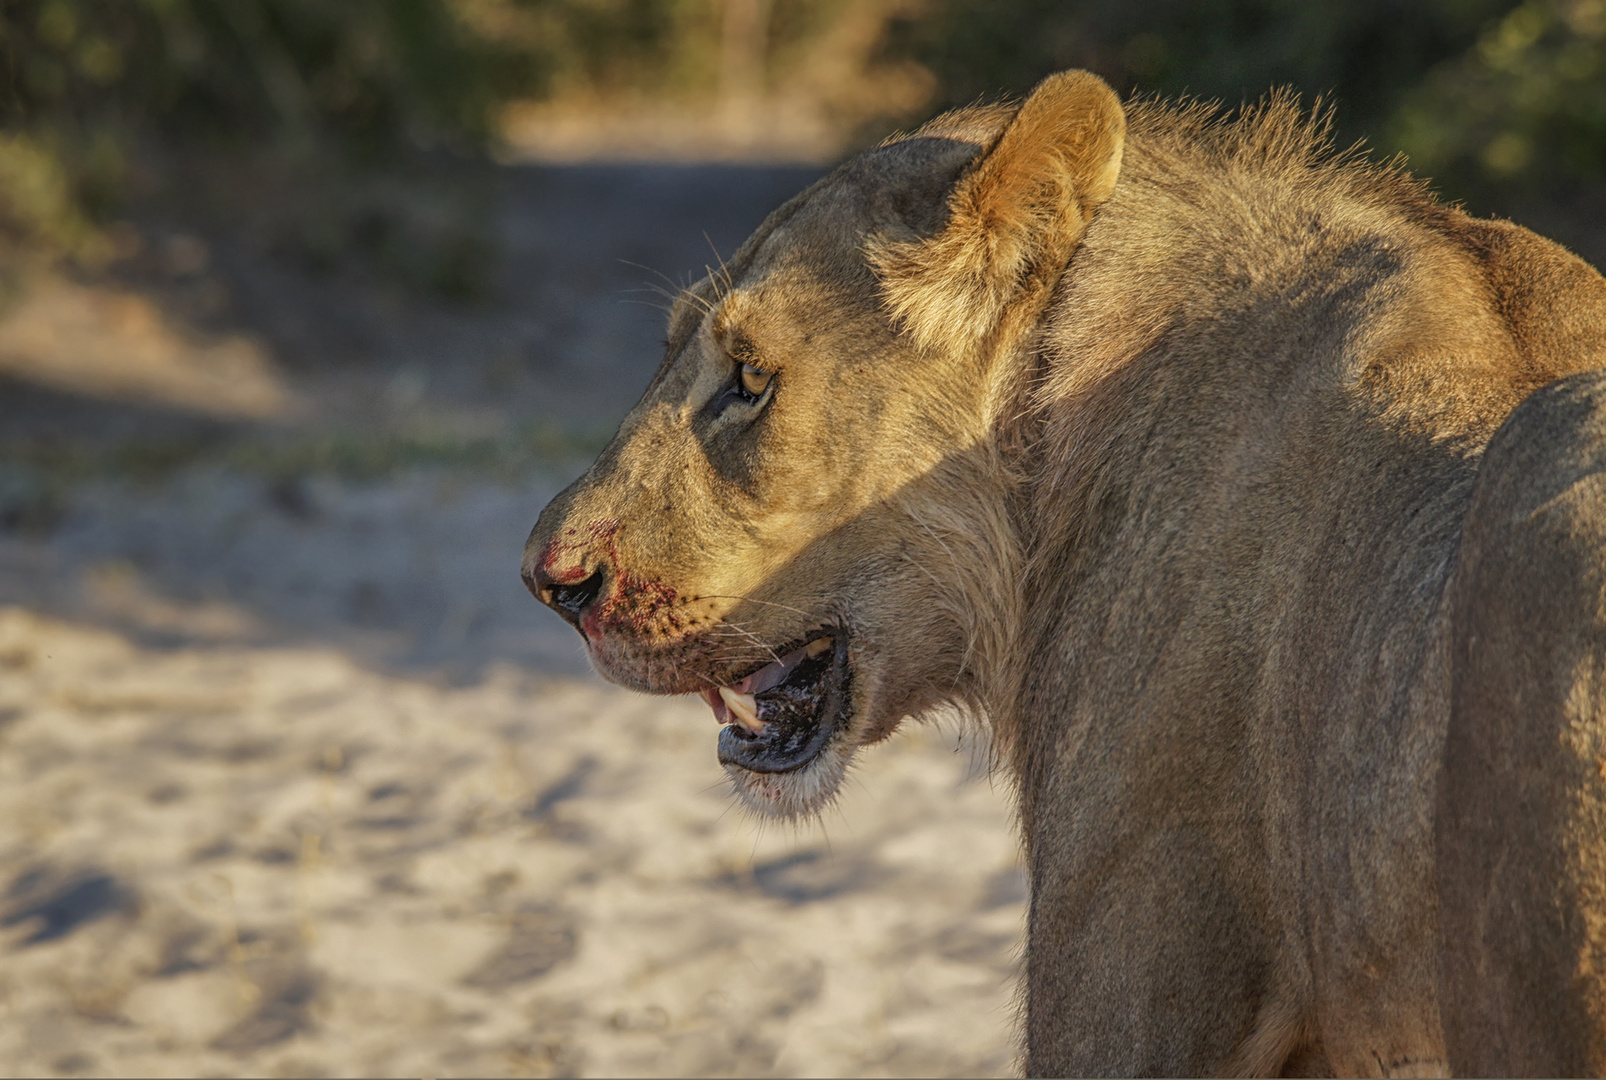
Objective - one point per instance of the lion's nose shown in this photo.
(569, 599)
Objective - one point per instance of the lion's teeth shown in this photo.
(817, 646)
(743, 707)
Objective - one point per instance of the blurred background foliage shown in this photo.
(1492, 99)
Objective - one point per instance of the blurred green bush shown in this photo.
(85, 80)
(1524, 107)
(363, 70)
(1485, 96)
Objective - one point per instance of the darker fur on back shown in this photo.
(1160, 438)
(1249, 430)
(1260, 399)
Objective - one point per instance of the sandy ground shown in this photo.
(297, 780)
(259, 852)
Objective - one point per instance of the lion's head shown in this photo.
(806, 519)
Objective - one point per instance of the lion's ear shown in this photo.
(1014, 217)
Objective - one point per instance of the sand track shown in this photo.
(252, 827)
(296, 779)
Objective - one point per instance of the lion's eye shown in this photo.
(755, 380)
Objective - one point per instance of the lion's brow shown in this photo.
(742, 348)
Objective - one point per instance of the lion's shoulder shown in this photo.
(1552, 302)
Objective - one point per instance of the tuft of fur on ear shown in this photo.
(1014, 217)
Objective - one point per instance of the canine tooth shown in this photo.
(743, 707)
(818, 646)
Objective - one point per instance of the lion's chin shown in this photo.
(801, 793)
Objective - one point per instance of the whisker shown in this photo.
(723, 269)
(700, 301)
(720, 292)
(665, 308)
(766, 603)
(652, 270)
(760, 643)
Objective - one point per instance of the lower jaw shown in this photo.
(740, 751)
(799, 793)
(801, 725)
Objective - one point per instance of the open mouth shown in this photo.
(783, 715)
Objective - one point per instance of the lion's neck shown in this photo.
(1216, 325)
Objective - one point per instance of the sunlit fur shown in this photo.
(1150, 437)
(1013, 219)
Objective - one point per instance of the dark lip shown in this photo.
(801, 716)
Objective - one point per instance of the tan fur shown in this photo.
(1171, 447)
(1012, 221)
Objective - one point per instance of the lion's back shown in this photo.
(1259, 467)
(1521, 824)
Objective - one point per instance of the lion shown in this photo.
(1251, 498)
